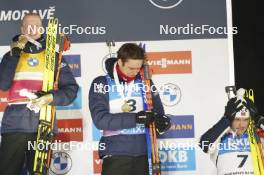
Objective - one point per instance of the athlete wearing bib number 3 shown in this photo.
(227, 141)
(116, 102)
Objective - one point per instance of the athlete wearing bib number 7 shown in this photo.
(117, 107)
(227, 141)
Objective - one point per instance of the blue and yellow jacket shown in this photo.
(26, 71)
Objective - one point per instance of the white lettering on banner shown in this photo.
(5, 16)
(51, 12)
(15, 15)
(67, 130)
(42, 14)
(164, 62)
(173, 156)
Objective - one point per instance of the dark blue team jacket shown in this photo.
(130, 145)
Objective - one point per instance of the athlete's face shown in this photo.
(31, 26)
(240, 125)
(131, 67)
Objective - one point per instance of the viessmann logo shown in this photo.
(177, 62)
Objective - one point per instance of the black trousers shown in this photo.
(14, 151)
(125, 165)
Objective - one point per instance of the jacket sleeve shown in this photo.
(67, 87)
(7, 70)
(214, 134)
(99, 108)
(157, 104)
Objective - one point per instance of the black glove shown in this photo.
(19, 45)
(232, 108)
(162, 123)
(145, 117)
(253, 111)
(40, 93)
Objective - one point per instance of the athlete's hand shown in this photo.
(43, 100)
(162, 123)
(232, 108)
(145, 117)
(19, 45)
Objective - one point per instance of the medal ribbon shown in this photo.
(122, 93)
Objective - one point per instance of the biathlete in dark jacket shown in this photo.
(22, 70)
(117, 107)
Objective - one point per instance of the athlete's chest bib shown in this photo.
(234, 156)
(29, 75)
(116, 102)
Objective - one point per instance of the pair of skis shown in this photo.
(47, 113)
(255, 143)
(151, 137)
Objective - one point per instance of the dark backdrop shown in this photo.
(249, 47)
